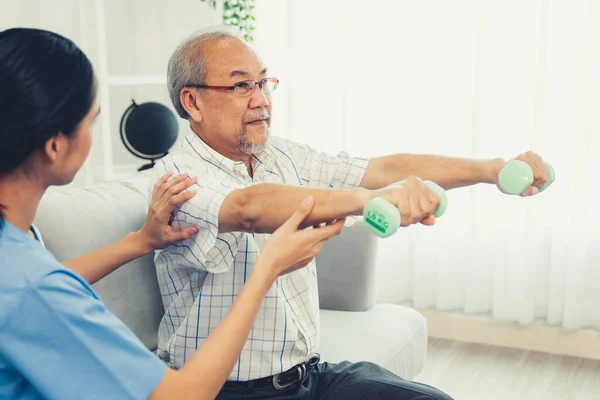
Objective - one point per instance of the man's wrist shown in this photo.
(360, 198)
(490, 170)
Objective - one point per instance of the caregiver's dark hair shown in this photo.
(47, 87)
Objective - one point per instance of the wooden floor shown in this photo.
(471, 371)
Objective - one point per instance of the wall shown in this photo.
(129, 43)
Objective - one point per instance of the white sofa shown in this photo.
(74, 221)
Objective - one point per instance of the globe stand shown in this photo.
(150, 165)
(148, 131)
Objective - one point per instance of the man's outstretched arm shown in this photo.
(448, 172)
(264, 207)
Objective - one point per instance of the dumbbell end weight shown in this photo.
(383, 219)
(516, 176)
(441, 195)
(551, 177)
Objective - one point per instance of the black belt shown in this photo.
(278, 381)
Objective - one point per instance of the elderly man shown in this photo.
(248, 184)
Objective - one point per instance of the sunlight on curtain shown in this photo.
(465, 78)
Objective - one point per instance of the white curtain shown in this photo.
(469, 78)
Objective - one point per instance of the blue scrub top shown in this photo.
(57, 339)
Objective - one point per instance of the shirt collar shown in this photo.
(197, 147)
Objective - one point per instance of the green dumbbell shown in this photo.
(516, 176)
(383, 219)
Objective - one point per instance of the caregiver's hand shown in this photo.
(169, 192)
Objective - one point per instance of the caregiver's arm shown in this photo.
(155, 234)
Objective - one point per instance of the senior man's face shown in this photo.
(238, 119)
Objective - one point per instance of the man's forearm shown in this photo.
(448, 172)
(265, 207)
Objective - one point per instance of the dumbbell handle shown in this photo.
(516, 176)
(383, 219)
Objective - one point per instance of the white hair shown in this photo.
(187, 65)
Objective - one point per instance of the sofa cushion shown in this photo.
(74, 222)
(392, 336)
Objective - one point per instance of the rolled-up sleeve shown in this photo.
(208, 250)
(323, 170)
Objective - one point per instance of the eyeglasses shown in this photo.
(245, 88)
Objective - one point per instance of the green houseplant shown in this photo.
(238, 14)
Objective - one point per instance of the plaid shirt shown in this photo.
(200, 278)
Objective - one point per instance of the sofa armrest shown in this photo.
(346, 270)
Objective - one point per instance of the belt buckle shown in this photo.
(278, 386)
(314, 359)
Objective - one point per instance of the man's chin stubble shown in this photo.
(252, 148)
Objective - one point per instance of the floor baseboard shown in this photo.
(542, 338)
